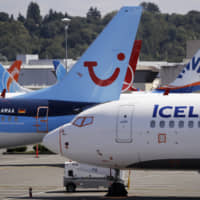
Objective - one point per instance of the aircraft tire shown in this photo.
(117, 189)
(71, 187)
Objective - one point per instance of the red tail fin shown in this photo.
(129, 78)
(15, 69)
(3, 94)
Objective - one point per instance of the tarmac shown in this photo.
(45, 176)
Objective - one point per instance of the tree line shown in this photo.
(164, 35)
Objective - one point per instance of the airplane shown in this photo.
(27, 118)
(146, 131)
(140, 130)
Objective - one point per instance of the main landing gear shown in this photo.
(117, 188)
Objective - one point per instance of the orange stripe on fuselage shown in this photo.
(178, 87)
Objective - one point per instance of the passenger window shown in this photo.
(83, 121)
(181, 124)
(152, 124)
(171, 124)
(162, 124)
(190, 124)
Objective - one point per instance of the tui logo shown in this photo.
(101, 82)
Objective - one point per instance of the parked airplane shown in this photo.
(26, 119)
(141, 130)
(146, 131)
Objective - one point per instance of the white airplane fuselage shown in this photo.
(138, 131)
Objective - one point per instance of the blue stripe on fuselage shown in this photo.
(28, 116)
(29, 107)
(13, 124)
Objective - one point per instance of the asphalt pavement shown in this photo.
(45, 176)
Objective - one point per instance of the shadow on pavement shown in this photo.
(70, 196)
(33, 165)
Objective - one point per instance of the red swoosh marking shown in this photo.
(97, 80)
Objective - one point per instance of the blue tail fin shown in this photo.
(98, 75)
(8, 82)
(188, 80)
(60, 70)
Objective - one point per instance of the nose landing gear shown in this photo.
(117, 188)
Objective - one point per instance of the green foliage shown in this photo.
(41, 149)
(4, 17)
(21, 18)
(33, 13)
(17, 149)
(150, 7)
(164, 36)
(93, 14)
(14, 39)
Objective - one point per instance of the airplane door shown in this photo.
(124, 124)
(42, 119)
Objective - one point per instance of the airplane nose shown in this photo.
(51, 141)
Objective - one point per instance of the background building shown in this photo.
(36, 73)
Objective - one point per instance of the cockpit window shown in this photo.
(88, 120)
(83, 121)
(78, 122)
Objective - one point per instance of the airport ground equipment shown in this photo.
(77, 175)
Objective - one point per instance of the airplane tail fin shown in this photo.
(3, 93)
(98, 75)
(8, 82)
(188, 80)
(14, 69)
(130, 74)
(60, 70)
